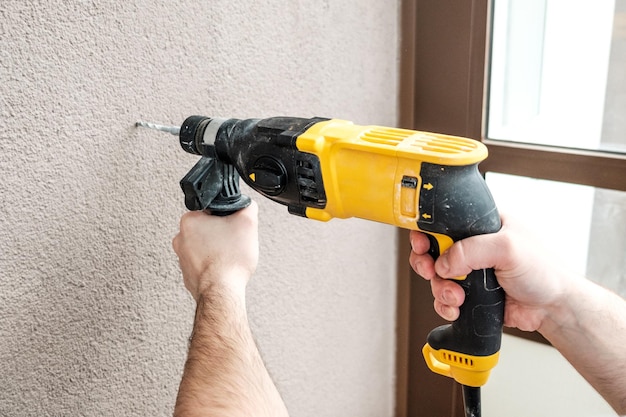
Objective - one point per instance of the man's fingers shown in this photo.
(447, 292)
(421, 262)
(473, 253)
(448, 297)
(423, 265)
(446, 312)
(419, 242)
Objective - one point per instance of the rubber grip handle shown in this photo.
(456, 205)
(468, 349)
(478, 330)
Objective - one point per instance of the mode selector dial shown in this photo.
(269, 175)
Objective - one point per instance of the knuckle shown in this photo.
(187, 221)
(457, 251)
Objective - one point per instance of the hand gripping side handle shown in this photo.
(213, 186)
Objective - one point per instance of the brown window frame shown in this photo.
(443, 86)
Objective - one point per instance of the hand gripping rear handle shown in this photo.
(468, 349)
(458, 205)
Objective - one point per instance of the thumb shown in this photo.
(476, 252)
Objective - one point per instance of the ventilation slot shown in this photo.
(386, 136)
(445, 145)
(306, 182)
(459, 359)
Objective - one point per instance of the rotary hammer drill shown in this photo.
(325, 168)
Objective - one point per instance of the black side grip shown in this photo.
(213, 186)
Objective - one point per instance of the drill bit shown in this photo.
(174, 130)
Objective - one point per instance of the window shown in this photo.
(557, 91)
(557, 80)
(556, 74)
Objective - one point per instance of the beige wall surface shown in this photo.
(94, 318)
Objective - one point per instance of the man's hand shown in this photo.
(532, 284)
(224, 374)
(218, 250)
(584, 321)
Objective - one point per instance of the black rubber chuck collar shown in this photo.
(192, 133)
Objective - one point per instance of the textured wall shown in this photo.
(93, 314)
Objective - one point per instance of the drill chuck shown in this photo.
(198, 134)
(192, 134)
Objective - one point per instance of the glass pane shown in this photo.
(557, 73)
(584, 226)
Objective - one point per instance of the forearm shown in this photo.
(224, 374)
(589, 329)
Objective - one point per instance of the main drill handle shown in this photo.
(456, 205)
(468, 349)
(481, 315)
